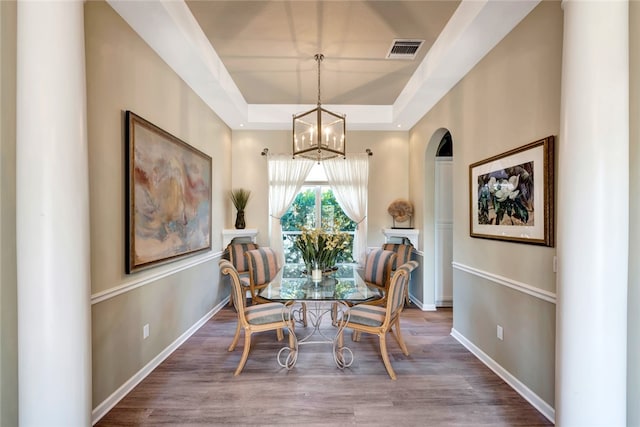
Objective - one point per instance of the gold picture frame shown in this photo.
(512, 195)
(168, 186)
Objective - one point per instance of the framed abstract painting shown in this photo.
(168, 186)
(512, 194)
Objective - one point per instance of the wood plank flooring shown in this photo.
(439, 384)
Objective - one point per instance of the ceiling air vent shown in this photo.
(404, 49)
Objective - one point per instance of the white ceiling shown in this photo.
(252, 61)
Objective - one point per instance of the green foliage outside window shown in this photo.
(302, 213)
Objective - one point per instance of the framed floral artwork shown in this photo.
(512, 194)
(168, 210)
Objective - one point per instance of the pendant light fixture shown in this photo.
(319, 134)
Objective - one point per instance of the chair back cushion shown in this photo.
(377, 267)
(399, 282)
(263, 265)
(403, 253)
(236, 255)
(397, 289)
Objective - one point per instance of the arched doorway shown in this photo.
(443, 219)
(434, 219)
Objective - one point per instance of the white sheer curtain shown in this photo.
(286, 176)
(349, 180)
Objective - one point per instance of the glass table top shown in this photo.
(345, 284)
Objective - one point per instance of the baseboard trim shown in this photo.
(445, 303)
(420, 305)
(510, 283)
(524, 391)
(111, 401)
(159, 274)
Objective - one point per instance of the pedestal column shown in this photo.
(593, 216)
(54, 346)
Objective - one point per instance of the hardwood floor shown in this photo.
(439, 384)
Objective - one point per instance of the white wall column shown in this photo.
(593, 219)
(54, 346)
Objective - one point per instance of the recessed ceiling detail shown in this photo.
(206, 44)
(404, 49)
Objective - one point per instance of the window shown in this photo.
(315, 206)
(445, 149)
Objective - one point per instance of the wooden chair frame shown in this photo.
(286, 321)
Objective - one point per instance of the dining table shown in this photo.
(310, 301)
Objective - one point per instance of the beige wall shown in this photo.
(388, 174)
(123, 73)
(633, 323)
(8, 278)
(511, 98)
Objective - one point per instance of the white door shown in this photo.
(444, 232)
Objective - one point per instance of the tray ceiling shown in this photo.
(252, 61)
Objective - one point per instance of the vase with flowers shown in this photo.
(319, 249)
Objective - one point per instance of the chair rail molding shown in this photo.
(163, 271)
(510, 283)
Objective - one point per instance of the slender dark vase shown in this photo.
(240, 220)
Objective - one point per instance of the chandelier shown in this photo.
(319, 134)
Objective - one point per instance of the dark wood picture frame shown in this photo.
(168, 192)
(512, 195)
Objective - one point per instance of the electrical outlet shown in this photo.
(145, 331)
(499, 332)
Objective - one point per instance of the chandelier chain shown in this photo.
(319, 57)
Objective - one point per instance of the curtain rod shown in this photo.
(265, 151)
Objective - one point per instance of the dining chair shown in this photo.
(378, 320)
(255, 318)
(377, 273)
(263, 268)
(235, 251)
(403, 255)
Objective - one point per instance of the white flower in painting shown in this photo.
(492, 185)
(506, 189)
